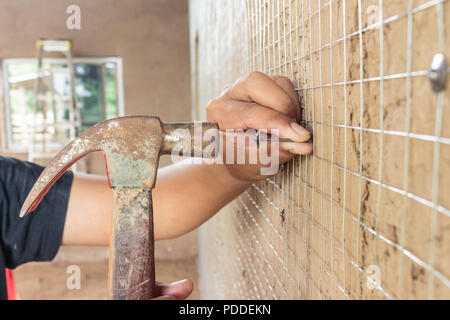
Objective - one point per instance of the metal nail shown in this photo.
(283, 215)
(438, 72)
(259, 137)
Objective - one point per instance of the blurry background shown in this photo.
(131, 57)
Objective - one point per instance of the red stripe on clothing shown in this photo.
(10, 287)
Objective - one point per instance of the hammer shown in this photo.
(132, 146)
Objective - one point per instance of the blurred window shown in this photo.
(98, 87)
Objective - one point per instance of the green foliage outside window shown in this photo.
(96, 90)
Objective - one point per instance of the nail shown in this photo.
(283, 215)
(300, 131)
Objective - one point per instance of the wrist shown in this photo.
(230, 175)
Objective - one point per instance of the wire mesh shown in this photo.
(367, 216)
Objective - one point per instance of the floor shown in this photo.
(47, 281)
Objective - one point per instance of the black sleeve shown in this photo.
(36, 237)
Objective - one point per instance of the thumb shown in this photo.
(178, 290)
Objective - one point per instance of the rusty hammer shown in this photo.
(132, 146)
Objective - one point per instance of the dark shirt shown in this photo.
(38, 236)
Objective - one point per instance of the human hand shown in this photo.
(179, 290)
(260, 102)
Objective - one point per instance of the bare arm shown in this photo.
(179, 202)
(187, 194)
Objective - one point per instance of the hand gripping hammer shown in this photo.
(132, 146)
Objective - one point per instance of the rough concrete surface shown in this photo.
(374, 195)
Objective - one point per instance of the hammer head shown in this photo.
(132, 146)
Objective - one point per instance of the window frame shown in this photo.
(9, 145)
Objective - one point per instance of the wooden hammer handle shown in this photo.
(131, 250)
(200, 138)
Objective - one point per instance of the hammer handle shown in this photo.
(201, 138)
(131, 251)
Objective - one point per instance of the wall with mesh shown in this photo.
(367, 216)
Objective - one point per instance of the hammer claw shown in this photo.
(63, 161)
(115, 138)
(132, 146)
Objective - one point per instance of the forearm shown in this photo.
(185, 196)
(89, 212)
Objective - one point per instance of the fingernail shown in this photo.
(299, 148)
(165, 297)
(178, 282)
(300, 131)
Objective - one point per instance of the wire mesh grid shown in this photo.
(368, 214)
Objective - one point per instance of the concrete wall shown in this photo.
(373, 197)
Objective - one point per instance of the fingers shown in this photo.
(243, 115)
(298, 148)
(260, 88)
(164, 298)
(260, 102)
(289, 88)
(177, 290)
(276, 123)
(288, 150)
